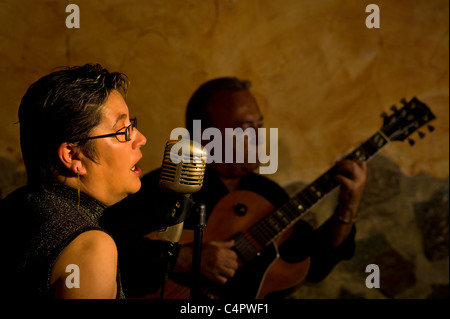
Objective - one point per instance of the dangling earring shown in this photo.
(78, 180)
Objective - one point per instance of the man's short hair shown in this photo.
(199, 101)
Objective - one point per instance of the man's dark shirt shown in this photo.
(141, 261)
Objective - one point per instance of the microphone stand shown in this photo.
(180, 209)
(168, 261)
(197, 252)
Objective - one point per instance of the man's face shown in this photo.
(235, 109)
(116, 174)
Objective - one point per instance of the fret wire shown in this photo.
(282, 221)
(319, 186)
(267, 228)
(289, 210)
(363, 154)
(306, 201)
(240, 242)
(329, 179)
(259, 237)
(309, 198)
(292, 207)
(273, 224)
(257, 232)
(252, 241)
(376, 145)
(279, 217)
(370, 144)
(276, 227)
(239, 246)
(245, 254)
(370, 147)
(316, 190)
(378, 140)
(326, 183)
(263, 229)
(366, 149)
(268, 222)
(244, 249)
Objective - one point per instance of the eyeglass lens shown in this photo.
(129, 129)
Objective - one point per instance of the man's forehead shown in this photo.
(238, 101)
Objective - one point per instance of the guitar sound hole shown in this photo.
(240, 209)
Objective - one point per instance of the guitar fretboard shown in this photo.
(264, 232)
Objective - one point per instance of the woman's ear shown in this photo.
(69, 154)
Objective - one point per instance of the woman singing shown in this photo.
(81, 150)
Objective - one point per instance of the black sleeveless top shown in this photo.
(37, 226)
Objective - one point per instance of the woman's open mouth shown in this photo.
(136, 169)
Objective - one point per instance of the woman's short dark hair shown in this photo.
(199, 101)
(63, 106)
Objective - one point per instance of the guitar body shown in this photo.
(266, 272)
(257, 278)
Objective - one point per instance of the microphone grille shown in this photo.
(186, 175)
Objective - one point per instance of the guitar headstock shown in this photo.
(405, 121)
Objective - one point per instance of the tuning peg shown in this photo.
(430, 128)
(403, 101)
(411, 142)
(383, 115)
(421, 134)
(394, 108)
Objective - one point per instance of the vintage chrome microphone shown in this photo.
(182, 172)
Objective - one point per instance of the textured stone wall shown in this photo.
(320, 76)
(402, 228)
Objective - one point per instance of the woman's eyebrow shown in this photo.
(120, 117)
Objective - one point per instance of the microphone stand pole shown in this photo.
(197, 252)
(168, 260)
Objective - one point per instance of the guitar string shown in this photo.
(262, 227)
(244, 248)
(291, 210)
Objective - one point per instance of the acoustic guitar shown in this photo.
(262, 228)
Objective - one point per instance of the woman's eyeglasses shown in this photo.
(123, 135)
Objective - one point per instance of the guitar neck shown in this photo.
(271, 226)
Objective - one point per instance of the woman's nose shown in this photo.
(140, 139)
